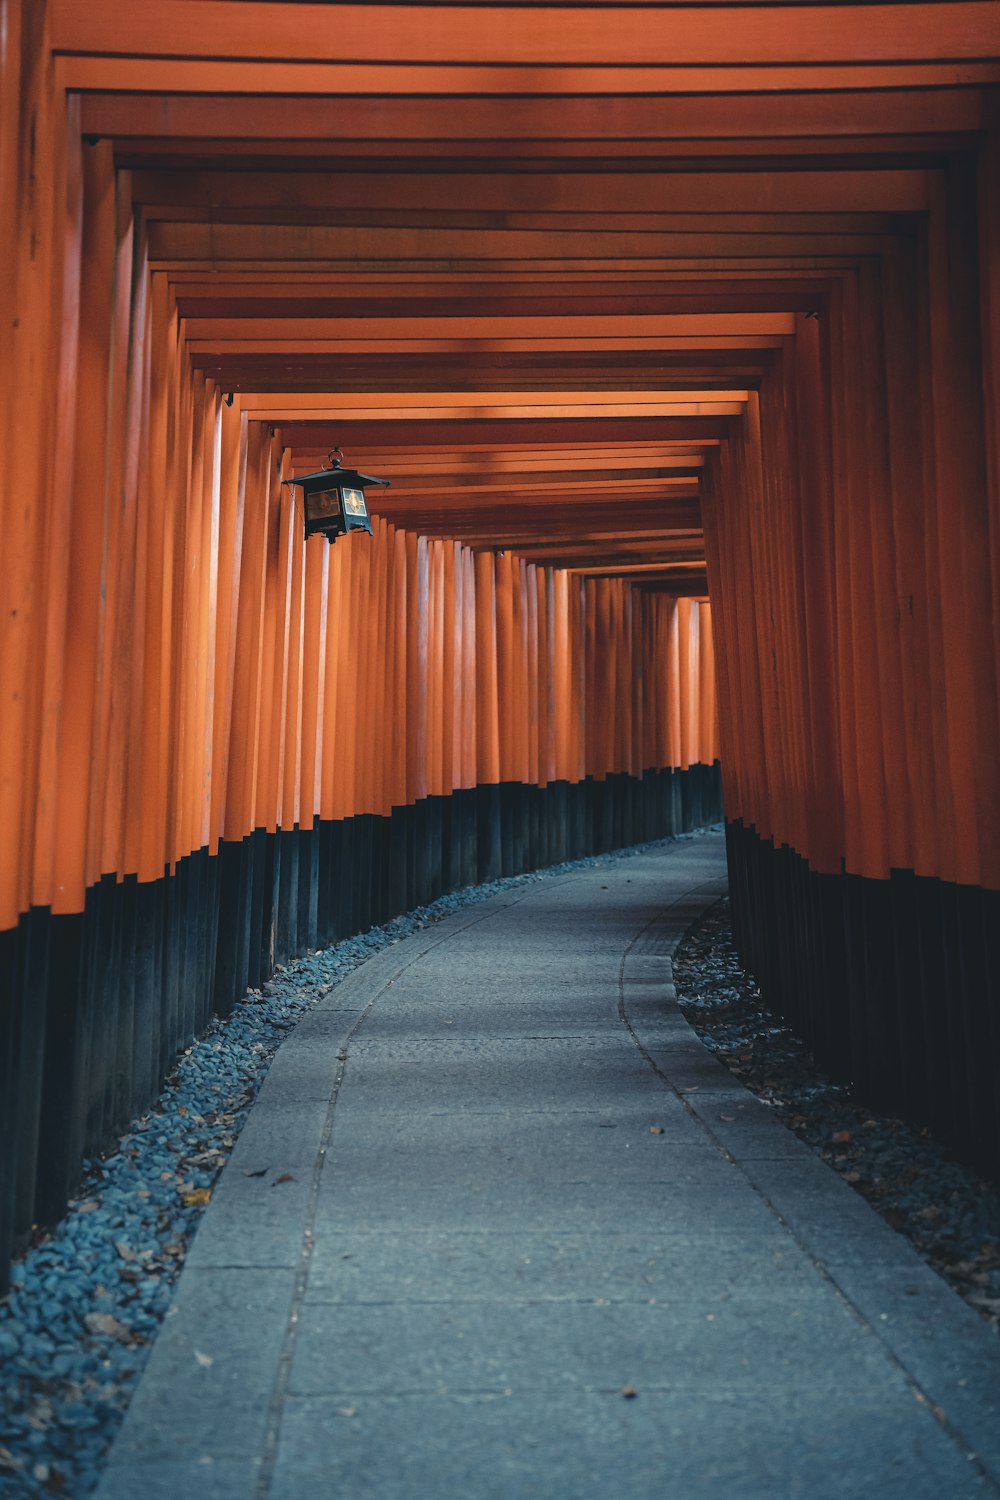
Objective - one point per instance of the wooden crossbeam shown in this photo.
(605, 37)
(766, 123)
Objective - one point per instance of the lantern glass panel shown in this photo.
(321, 504)
(354, 503)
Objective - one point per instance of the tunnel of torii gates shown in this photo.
(636, 307)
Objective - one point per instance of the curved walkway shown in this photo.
(493, 1186)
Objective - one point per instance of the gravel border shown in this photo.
(87, 1299)
(947, 1211)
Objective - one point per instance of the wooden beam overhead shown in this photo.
(291, 122)
(533, 37)
(499, 248)
(355, 435)
(532, 263)
(600, 196)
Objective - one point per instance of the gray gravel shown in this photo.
(87, 1299)
(949, 1213)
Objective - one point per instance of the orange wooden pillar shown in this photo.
(488, 727)
(42, 241)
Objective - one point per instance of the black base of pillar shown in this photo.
(894, 984)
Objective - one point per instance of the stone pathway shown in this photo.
(494, 1186)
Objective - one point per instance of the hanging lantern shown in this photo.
(335, 499)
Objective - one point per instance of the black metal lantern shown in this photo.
(335, 499)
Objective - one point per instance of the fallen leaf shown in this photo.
(260, 1172)
(727, 1117)
(841, 1138)
(285, 1177)
(89, 1206)
(40, 1416)
(196, 1199)
(692, 1090)
(205, 1360)
(346, 1411)
(125, 1251)
(108, 1324)
(656, 1129)
(182, 1110)
(629, 1392)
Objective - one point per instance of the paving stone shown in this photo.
(939, 1340)
(660, 1142)
(575, 1016)
(181, 1479)
(256, 1221)
(667, 1206)
(746, 1128)
(663, 1445)
(739, 1344)
(819, 1207)
(360, 1266)
(207, 1387)
(454, 1075)
(304, 1071)
(280, 1133)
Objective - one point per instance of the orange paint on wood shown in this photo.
(244, 747)
(73, 871)
(487, 679)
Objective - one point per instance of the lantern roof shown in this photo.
(336, 475)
